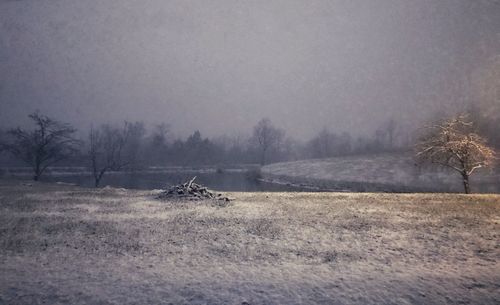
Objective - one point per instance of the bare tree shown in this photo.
(390, 127)
(133, 150)
(157, 144)
(50, 142)
(385, 136)
(321, 146)
(267, 137)
(106, 146)
(159, 134)
(327, 144)
(453, 144)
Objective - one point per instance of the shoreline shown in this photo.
(380, 173)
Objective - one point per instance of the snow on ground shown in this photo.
(382, 172)
(68, 245)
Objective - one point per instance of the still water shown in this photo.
(241, 180)
(224, 181)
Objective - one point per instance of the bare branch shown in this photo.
(453, 144)
(50, 142)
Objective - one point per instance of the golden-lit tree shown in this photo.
(454, 144)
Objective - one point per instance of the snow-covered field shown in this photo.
(67, 245)
(383, 172)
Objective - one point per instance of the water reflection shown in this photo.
(222, 181)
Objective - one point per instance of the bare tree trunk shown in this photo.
(96, 182)
(36, 177)
(98, 177)
(466, 183)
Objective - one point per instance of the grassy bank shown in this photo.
(64, 244)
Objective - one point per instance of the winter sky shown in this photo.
(220, 66)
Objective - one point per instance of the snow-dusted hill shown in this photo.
(382, 172)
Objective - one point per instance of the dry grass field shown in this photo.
(69, 245)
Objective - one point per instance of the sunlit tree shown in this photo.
(454, 144)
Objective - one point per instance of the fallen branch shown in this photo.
(191, 191)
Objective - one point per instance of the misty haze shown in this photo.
(249, 152)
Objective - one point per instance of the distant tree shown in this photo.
(177, 152)
(290, 149)
(134, 146)
(322, 145)
(194, 148)
(158, 144)
(453, 144)
(344, 144)
(199, 150)
(327, 144)
(106, 146)
(385, 136)
(267, 137)
(232, 149)
(379, 144)
(368, 145)
(159, 134)
(390, 128)
(50, 142)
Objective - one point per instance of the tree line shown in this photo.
(454, 143)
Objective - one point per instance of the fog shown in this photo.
(220, 66)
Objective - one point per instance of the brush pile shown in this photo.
(191, 191)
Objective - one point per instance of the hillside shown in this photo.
(382, 172)
(69, 245)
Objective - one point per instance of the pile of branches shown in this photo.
(191, 191)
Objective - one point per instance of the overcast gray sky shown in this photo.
(220, 66)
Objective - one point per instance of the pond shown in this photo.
(236, 181)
